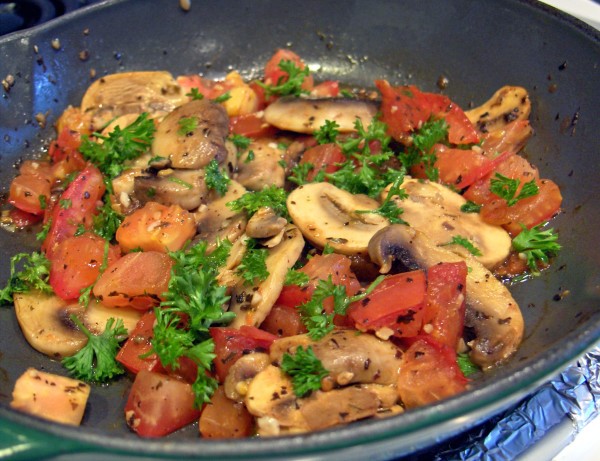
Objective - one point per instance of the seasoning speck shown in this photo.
(55, 44)
(8, 82)
(84, 55)
(185, 4)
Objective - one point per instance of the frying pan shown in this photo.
(477, 45)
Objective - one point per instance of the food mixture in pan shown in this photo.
(274, 256)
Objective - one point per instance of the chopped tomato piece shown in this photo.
(77, 206)
(20, 218)
(76, 262)
(276, 76)
(405, 109)
(323, 157)
(223, 418)
(321, 267)
(326, 89)
(159, 404)
(283, 321)
(251, 126)
(137, 279)
(444, 313)
(462, 167)
(231, 344)
(395, 304)
(428, 373)
(30, 192)
(156, 227)
(133, 354)
(208, 88)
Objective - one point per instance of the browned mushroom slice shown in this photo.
(328, 215)
(260, 166)
(508, 104)
(242, 372)
(47, 327)
(435, 210)
(306, 115)
(265, 223)
(253, 303)
(491, 310)
(349, 357)
(185, 188)
(192, 135)
(131, 92)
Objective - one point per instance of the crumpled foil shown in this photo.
(574, 393)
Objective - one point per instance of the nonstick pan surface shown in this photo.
(477, 45)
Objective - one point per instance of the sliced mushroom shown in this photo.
(216, 221)
(507, 104)
(328, 215)
(263, 167)
(265, 223)
(349, 357)
(306, 115)
(185, 188)
(435, 210)
(192, 135)
(47, 327)
(252, 304)
(242, 372)
(131, 92)
(271, 399)
(491, 310)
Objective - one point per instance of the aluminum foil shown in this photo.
(574, 393)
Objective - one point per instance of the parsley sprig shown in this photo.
(253, 266)
(216, 178)
(193, 303)
(120, 145)
(271, 196)
(95, 362)
(33, 275)
(305, 369)
(290, 84)
(536, 245)
(423, 140)
(317, 321)
(506, 188)
(465, 243)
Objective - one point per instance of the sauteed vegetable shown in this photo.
(275, 256)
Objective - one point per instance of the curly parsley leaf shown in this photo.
(241, 142)
(120, 145)
(305, 369)
(195, 94)
(187, 125)
(253, 266)
(464, 242)
(222, 97)
(96, 362)
(107, 221)
(431, 133)
(536, 245)
(327, 133)
(294, 277)
(506, 188)
(291, 84)
(467, 367)
(470, 207)
(271, 196)
(216, 178)
(389, 209)
(33, 275)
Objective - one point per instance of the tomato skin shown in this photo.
(321, 267)
(445, 302)
(83, 195)
(29, 191)
(137, 280)
(251, 126)
(156, 227)
(159, 404)
(231, 344)
(323, 157)
(138, 344)
(405, 108)
(396, 303)
(326, 89)
(283, 321)
(22, 219)
(223, 418)
(428, 373)
(208, 88)
(76, 263)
